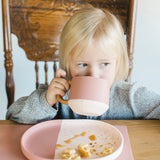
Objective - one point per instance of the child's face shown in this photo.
(94, 63)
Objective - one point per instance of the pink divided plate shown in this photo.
(47, 140)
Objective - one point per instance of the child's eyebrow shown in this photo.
(79, 60)
(109, 59)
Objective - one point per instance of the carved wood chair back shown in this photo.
(38, 25)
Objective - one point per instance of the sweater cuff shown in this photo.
(45, 104)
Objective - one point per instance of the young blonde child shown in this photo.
(92, 44)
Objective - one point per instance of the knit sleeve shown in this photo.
(32, 109)
(145, 103)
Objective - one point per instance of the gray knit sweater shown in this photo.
(127, 101)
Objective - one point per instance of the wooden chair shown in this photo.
(38, 25)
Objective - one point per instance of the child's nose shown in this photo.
(93, 72)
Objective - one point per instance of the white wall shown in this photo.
(146, 56)
(147, 44)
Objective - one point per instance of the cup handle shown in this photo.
(60, 99)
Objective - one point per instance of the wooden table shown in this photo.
(144, 137)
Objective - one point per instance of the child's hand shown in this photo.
(58, 86)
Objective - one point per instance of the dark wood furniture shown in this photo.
(38, 25)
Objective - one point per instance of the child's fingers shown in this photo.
(60, 92)
(60, 83)
(51, 96)
(57, 84)
(60, 73)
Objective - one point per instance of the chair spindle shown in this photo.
(37, 77)
(54, 68)
(46, 72)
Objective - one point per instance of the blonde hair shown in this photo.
(98, 25)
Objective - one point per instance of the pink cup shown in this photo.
(88, 96)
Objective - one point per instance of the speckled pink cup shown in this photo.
(88, 96)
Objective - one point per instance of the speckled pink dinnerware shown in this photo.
(89, 96)
(47, 140)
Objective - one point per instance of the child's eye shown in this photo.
(82, 64)
(105, 64)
